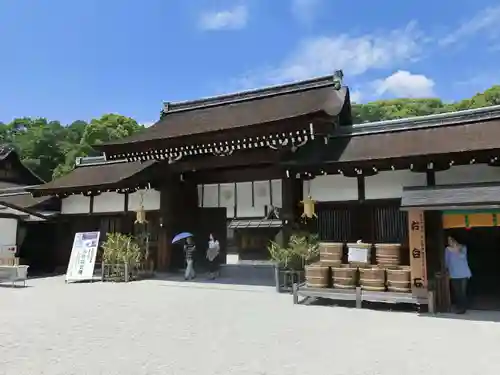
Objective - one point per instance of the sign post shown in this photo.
(418, 256)
(83, 255)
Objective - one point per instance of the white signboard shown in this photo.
(8, 251)
(83, 254)
(357, 254)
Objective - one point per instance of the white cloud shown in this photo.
(486, 22)
(356, 96)
(229, 19)
(147, 124)
(354, 54)
(305, 10)
(405, 84)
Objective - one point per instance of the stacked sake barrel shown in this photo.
(399, 279)
(388, 254)
(372, 278)
(330, 253)
(317, 275)
(344, 276)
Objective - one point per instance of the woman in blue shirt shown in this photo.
(458, 271)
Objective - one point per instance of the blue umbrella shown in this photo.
(181, 236)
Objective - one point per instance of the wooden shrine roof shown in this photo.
(102, 176)
(452, 196)
(362, 144)
(17, 195)
(25, 175)
(244, 109)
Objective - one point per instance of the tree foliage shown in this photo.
(49, 148)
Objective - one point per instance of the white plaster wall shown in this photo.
(244, 206)
(151, 200)
(75, 204)
(211, 195)
(8, 236)
(109, 202)
(462, 174)
(240, 194)
(390, 184)
(227, 198)
(331, 188)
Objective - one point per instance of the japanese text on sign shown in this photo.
(418, 261)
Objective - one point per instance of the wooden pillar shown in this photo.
(291, 195)
(435, 242)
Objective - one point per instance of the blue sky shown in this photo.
(69, 60)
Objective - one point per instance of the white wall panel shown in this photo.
(385, 185)
(332, 188)
(75, 204)
(8, 233)
(211, 195)
(276, 186)
(109, 202)
(229, 195)
(150, 200)
(262, 193)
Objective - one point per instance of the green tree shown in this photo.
(107, 128)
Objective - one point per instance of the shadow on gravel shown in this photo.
(472, 315)
(15, 286)
(203, 282)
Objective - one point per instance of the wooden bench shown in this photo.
(11, 271)
(358, 295)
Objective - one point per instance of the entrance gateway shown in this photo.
(263, 151)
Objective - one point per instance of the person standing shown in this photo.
(213, 256)
(458, 271)
(189, 250)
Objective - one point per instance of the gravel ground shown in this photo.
(165, 327)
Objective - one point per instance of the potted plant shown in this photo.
(290, 260)
(121, 255)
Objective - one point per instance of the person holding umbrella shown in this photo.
(189, 250)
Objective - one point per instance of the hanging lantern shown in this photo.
(140, 217)
(309, 209)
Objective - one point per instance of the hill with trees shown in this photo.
(49, 148)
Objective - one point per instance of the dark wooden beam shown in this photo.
(91, 204)
(361, 188)
(125, 202)
(430, 176)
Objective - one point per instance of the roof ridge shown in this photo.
(248, 95)
(456, 118)
(97, 163)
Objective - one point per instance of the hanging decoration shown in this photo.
(309, 205)
(309, 208)
(141, 213)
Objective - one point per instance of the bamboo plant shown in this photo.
(302, 249)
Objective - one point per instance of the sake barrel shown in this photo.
(317, 275)
(359, 254)
(344, 276)
(388, 254)
(372, 279)
(399, 279)
(330, 253)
